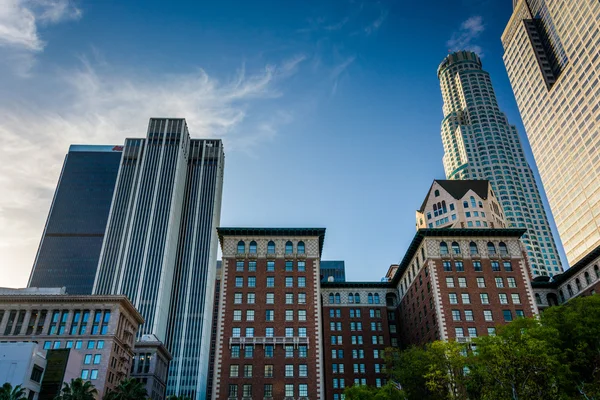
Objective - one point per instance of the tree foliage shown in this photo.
(387, 392)
(556, 356)
(8, 392)
(128, 389)
(78, 389)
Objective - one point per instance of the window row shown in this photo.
(290, 371)
(250, 266)
(251, 281)
(354, 298)
(473, 249)
(357, 368)
(289, 315)
(61, 322)
(269, 332)
(238, 298)
(460, 267)
(289, 247)
(77, 344)
(291, 390)
(269, 351)
(87, 374)
(511, 282)
(488, 316)
(484, 297)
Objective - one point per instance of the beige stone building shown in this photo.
(551, 53)
(100, 329)
(460, 204)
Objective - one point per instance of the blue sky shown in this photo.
(330, 110)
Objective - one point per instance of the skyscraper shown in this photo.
(160, 247)
(72, 239)
(479, 143)
(551, 53)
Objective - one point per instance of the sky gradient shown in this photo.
(330, 111)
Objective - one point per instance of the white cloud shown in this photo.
(375, 25)
(99, 104)
(464, 38)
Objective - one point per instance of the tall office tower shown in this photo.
(551, 53)
(479, 143)
(269, 343)
(72, 239)
(161, 245)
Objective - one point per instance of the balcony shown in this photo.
(463, 339)
(282, 340)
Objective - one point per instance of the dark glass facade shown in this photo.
(70, 246)
(335, 269)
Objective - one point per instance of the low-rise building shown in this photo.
(150, 365)
(22, 364)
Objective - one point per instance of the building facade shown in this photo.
(269, 321)
(100, 329)
(150, 365)
(551, 56)
(70, 247)
(22, 364)
(160, 246)
(479, 143)
(460, 204)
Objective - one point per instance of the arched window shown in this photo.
(444, 209)
(588, 280)
(561, 296)
(253, 247)
(370, 298)
(503, 248)
(357, 298)
(578, 284)
(241, 247)
(480, 204)
(473, 203)
(443, 248)
(570, 290)
(473, 248)
(597, 271)
(338, 298)
(538, 299)
(300, 247)
(465, 204)
(551, 299)
(289, 247)
(455, 248)
(435, 210)
(436, 193)
(351, 298)
(271, 247)
(491, 249)
(376, 296)
(331, 298)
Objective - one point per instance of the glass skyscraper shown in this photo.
(479, 143)
(552, 56)
(160, 247)
(70, 246)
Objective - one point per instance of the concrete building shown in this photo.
(460, 204)
(479, 143)
(551, 56)
(333, 271)
(101, 329)
(582, 279)
(359, 322)
(72, 239)
(269, 342)
(22, 364)
(161, 246)
(150, 365)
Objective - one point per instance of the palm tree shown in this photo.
(77, 390)
(7, 392)
(128, 389)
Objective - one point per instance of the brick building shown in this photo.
(269, 321)
(101, 329)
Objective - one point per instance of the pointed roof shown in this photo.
(458, 188)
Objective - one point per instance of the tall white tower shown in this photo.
(479, 143)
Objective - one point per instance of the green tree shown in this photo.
(78, 389)
(361, 392)
(128, 389)
(389, 392)
(577, 324)
(409, 368)
(7, 392)
(445, 377)
(175, 397)
(520, 363)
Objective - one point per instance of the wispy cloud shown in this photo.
(337, 26)
(464, 38)
(102, 104)
(375, 25)
(337, 72)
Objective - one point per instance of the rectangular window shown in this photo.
(459, 266)
(269, 350)
(239, 281)
(269, 315)
(248, 371)
(495, 266)
(512, 283)
(237, 315)
(87, 359)
(499, 282)
(301, 315)
(289, 390)
(289, 351)
(303, 351)
(239, 266)
(289, 266)
(269, 332)
(302, 332)
(472, 332)
(289, 371)
(462, 282)
(251, 266)
(450, 282)
(507, 315)
(234, 371)
(503, 298)
(459, 332)
(289, 332)
(301, 281)
(289, 315)
(453, 298)
(289, 298)
(233, 391)
(487, 315)
(236, 332)
(519, 313)
(303, 390)
(249, 332)
(249, 315)
(270, 266)
(456, 315)
(268, 390)
(97, 358)
(480, 282)
(268, 370)
(247, 390)
(477, 266)
(507, 266)
(491, 331)
(301, 266)
(289, 281)
(85, 373)
(468, 315)
(485, 299)
(251, 298)
(249, 351)
(270, 281)
(466, 298)
(516, 299)
(237, 298)
(91, 344)
(252, 281)
(270, 298)
(447, 266)
(301, 298)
